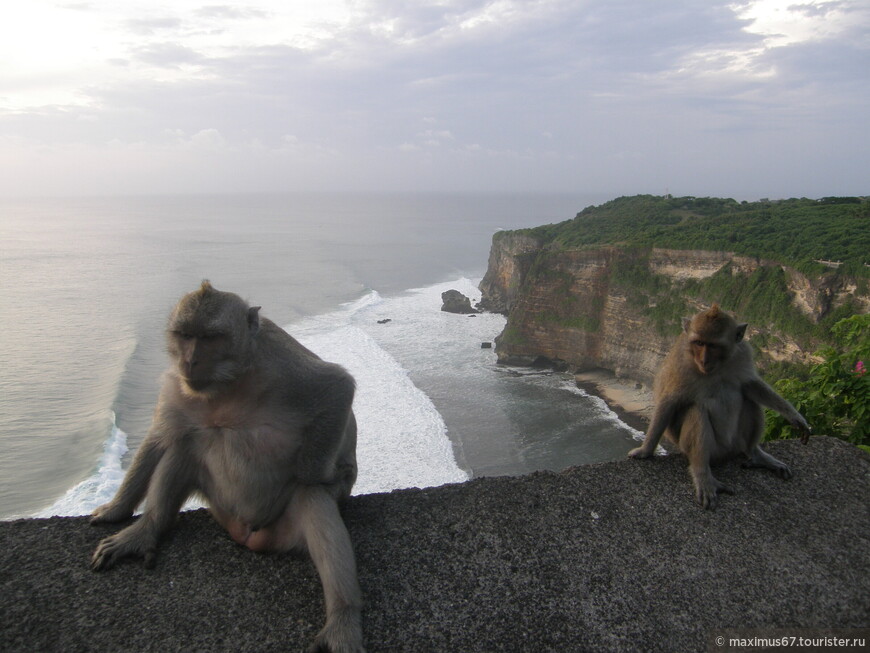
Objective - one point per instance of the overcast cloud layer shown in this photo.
(744, 99)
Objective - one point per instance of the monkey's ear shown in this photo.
(254, 319)
(741, 331)
(686, 322)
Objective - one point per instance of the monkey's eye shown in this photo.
(181, 335)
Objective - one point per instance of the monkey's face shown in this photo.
(204, 360)
(706, 355)
(210, 338)
(712, 336)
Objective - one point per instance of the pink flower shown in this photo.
(859, 368)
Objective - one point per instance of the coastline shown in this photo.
(630, 400)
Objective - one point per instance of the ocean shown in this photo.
(86, 285)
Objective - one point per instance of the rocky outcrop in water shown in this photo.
(456, 302)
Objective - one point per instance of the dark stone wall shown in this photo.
(608, 557)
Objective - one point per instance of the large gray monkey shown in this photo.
(262, 429)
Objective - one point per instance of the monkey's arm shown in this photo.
(135, 484)
(136, 481)
(325, 437)
(760, 392)
(662, 416)
(172, 482)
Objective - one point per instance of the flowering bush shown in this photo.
(835, 399)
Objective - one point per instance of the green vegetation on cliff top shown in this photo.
(796, 232)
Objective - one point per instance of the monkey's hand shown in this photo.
(133, 541)
(110, 513)
(641, 452)
(798, 422)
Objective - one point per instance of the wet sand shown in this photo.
(633, 404)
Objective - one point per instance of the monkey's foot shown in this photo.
(110, 513)
(124, 545)
(341, 634)
(760, 458)
(707, 492)
(640, 452)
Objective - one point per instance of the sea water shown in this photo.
(87, 284)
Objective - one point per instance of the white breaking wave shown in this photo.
(402, 439)
(604, 410)
(96, 490)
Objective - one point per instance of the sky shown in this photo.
(743, 99)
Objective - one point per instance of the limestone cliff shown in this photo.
(619, 308)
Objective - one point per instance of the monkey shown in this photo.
(262, 430)
(708, 399)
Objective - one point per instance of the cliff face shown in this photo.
(562, 309)
(619, 308)
(508, 266)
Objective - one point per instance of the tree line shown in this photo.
(796, 232)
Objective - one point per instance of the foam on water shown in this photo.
(604, 408)
(403, 439)
(98, 488)
(401, 443)
(493, 421)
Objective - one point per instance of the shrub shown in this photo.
(835, 398)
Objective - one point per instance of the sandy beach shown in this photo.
(629, 399)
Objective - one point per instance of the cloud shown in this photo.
(167, 55)
(208, 139)
(534, 94)
(230, 12)
(149, 26)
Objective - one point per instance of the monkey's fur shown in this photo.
(262, 429)
(708, 398)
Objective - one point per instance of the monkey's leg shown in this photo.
(697, 441)
(760, 458)
(135, 484)
(328, 542)
(170, 486)
(751, 427)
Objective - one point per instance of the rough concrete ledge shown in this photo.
(606, 557)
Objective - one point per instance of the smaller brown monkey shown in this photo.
(708, 398)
